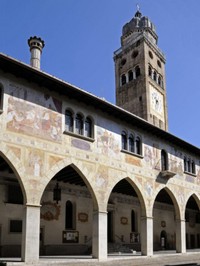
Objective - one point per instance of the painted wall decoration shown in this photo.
(37, 116)
(107, 142)
(35, 162)
(83, 217)
(50, 211)
(80, 144)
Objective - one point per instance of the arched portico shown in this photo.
(83, 234)
(127, 218)
(12, 200)
(192, 222)
(168, 230)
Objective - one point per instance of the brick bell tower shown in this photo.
(140, 72)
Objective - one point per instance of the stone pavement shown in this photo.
(164, 259)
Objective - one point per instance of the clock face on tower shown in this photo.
(156, 100)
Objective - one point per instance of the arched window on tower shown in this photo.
(164, 160)
(150, 71)
(124, 140)
(68, 121)
(138, 148)
(123, 79)
(137, 71)
(88, 127)
(79, 124)
(131, 143)
(154, 75)
(159, 80)
(130, 75)
(69, 215)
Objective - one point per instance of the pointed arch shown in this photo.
(172, 197)
(138, 191)
(16, 167)
(195, 197)
(79, 167)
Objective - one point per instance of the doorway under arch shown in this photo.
(164, 223)
(66, 215)
(192, 223)
(12, 211)
(124, 212)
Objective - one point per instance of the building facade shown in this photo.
(79, 175)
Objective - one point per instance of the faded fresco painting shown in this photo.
(35, 163)
(107, 142)
(37, 120)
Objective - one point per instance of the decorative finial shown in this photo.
(138, 7)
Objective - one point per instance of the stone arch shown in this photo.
(17, 167)
(137, 189)
(79, 167)
(173, 198)
(197, 199)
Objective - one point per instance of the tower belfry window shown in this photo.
(150, 71)
(137, 71)
(155, 76)
(130, 75)
(123, 79)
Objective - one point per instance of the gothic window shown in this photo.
(131, 143)
(124, 140)
(68, 121)
(130, 75)
(138, 143)
(193, 167)
(185, 164)
(69, 215)
(123, 79)
(164, 160)
(79, 124)
(188, 165)
(133, 221)
(137, 71)
(88, 127)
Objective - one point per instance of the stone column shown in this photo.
(99, 240)
(180, 236)
(147, 236)
(31, 233)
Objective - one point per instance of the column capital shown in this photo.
(146, 217)
(33, 205)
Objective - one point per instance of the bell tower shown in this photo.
(140, 72)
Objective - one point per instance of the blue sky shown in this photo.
(81, 35)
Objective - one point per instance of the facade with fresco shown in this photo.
(79, 175)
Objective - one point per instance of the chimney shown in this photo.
(36, 45)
